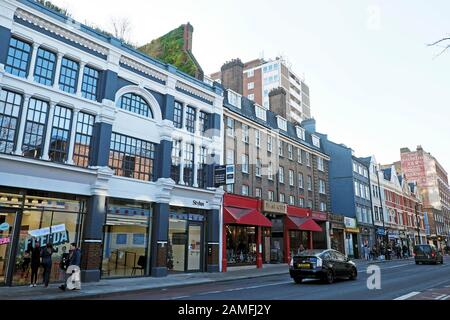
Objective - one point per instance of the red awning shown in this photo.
(251, 217)
(306, 224)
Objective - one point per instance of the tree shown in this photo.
(122, 28)
(443, 43)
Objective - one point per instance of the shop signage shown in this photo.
(350, 223)
(337, 226)
(381, 232)
(56, 235)
(198, 203)
(5, 240)
(46, 231)
(352, 230)
(4, 226)
(336, 218)
(224, 175)
(319, 216)
(274, 207)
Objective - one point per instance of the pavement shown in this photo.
(119, 288)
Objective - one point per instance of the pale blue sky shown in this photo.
(374, 83)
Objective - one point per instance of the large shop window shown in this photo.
(59, 143)
(44, 219)
(131, 157)
(136, 104)
(83, 139)
(127, 231)
(33, 140)
(19, 54)
(10, 104)
(241, 244)
(185, 242)
(298, 241)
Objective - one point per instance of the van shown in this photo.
(427, 253)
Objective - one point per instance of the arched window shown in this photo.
(135, 103)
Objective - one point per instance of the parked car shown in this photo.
(326, 265)
(427, 253)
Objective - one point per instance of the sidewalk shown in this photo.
(114, 286)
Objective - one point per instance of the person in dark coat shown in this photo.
(46, 254)
(35, 263)
(74, 260)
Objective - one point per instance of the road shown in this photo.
(399, 280)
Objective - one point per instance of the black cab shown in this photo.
(427, 253)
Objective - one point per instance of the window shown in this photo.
(280, 148)
(45, 67)
(258, 167)
(19, 54)
(251, 97)
(230, 188)
(366, 174)
(367, 192)
(136, 104)
(300, 180)
(377, 217)
(230, 127)
(60, 135)
(250, 85)
(356, 189)
(68, 77)
(301, 202)
(270, 171)
(83, 138)
(234, 99)
(188, 173)
(322, 189)
(290, 152)
(33, 140)
(270, 195)
(131, 157)
(245, 190)
(230, 156)
(358, 214)
(361, 190)
(260, 112)
(360, 170)
(245, 134)
(258, 192)
(178, 115)
(299, 155)
(291, 177)
(374, 191)
(323, 207)
(310, 204)
(203, 122)
(269, 143)
(190, 119)
(316, 141)
(244, 158)
(10, 104)
(250, 73)
(309, 183)
(300, 132)
(308, 159)
(89, 83)
(282, 198)
(282, 123)
(201, 170)
(291, 200)
(257, 138)
(281, 175)
(320, 165)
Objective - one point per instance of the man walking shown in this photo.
(74, 260)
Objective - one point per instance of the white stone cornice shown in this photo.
(108, 112)
(164, 187)
(143, 68)
(100, 187)
(166, 130)
(217, 199)
(63, 32)
(195, 92)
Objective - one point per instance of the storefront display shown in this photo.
(126, 239)
(241, 245)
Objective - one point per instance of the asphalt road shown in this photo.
(399, 279)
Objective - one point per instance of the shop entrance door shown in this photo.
(194, 247)
(7, 236)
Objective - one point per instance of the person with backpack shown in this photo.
(74, 259)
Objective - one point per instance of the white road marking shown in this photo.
(439, 297)
(180, 297)
(407, 296)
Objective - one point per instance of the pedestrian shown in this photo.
(63, 264)
(35, 262)
(405, 251)
(46, 254)
(74, 259)
(301, 248)
(26, 261)
(398, 251)
(366, 252)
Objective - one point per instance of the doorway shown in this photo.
(7, 223)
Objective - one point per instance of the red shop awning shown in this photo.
(251, 217)
(305, 224)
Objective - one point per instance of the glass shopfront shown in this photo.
(297, 240)
(185, 240)
(127, 231)
(29, 217)
(241, 245)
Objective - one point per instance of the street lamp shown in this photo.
(386, 237)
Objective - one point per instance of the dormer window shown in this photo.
(234, 99)
(282, 123)
(300, 132)
(260, 112)
(316, 141)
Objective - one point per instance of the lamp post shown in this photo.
(386, 237)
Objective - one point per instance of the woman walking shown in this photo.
(47, 262)
(35, 263)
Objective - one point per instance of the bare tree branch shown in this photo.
(439, 41)
(122, 28)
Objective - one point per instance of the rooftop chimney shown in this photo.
(310, 125)
(404, 150)
(277, 101)
(188, 30)
(232, 75)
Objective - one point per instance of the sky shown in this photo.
(374, 83)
